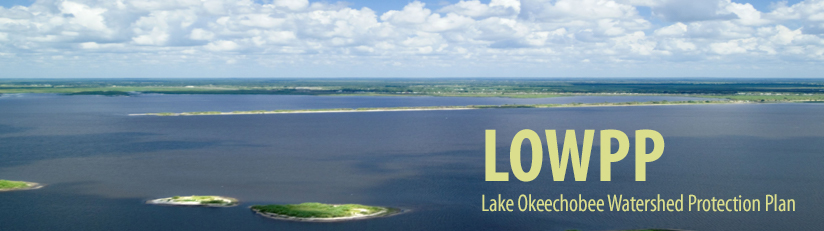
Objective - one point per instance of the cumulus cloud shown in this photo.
(469, 33)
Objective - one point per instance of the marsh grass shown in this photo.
(318, 210)
(7, 184)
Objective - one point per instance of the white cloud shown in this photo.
(222, 46)
(781, 35)
(154, 37)
(201, 34)
(678, 45)
(674, 30)
(734, 46)
(85, 16)
(278, 37)
(504, 33)
(292, 4)
(747, 14)
(95, 46)
(414, 13)
(576, 9)
(476, 9)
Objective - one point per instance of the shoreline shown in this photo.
(449, 108)
(29, 186)
(168, 202)
(303, 111)
(383, 213)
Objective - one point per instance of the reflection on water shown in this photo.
(100, 165)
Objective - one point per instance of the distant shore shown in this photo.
(445, 108)
(298, 111)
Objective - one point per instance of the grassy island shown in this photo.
(7, 185)
(322, 212)
(209, 201)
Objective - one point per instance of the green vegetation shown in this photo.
(774, 97)
(105, 93)
(319, 210)
(7, 184)
(196, 201)
(750, 90)
(488, 87)
(206, 113)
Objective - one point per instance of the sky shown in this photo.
(431, 38)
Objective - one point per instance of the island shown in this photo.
(207, 201)
(7, 185)
(442, 108)
(319, 212)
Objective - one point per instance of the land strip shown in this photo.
(443, 108)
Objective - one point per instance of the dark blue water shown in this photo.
(100, 165)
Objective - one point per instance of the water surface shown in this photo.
(100, 165)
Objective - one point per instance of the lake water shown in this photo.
(100, 164)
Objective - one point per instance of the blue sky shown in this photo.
(430, 38)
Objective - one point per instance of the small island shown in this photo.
(7, 185)
(319, 212)
(207, 201)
